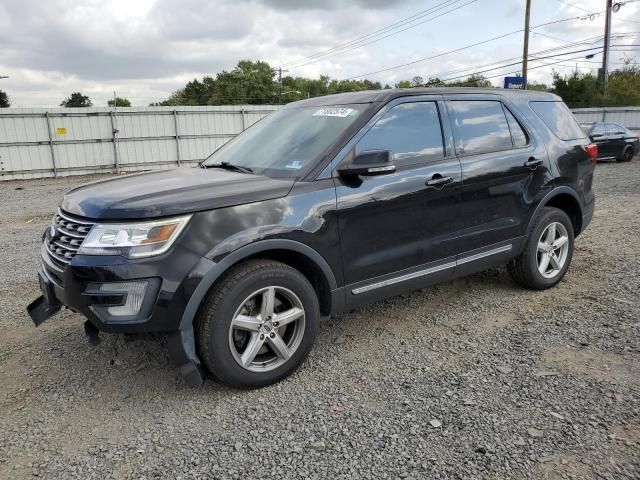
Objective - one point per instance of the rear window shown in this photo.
(559, 119)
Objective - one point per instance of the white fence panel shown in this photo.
(626, 116)
(37, 143)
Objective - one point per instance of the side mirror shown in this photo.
(370, 162)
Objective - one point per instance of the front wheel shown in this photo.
(547, 253)
(258, 324)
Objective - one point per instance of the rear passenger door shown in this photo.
(505, 171)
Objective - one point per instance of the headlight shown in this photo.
(133, 240)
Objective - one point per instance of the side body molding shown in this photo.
(182, 346)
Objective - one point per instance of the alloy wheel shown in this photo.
(627, 154)
(553, 249)
(267, 329)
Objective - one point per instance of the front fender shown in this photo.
(182, 345)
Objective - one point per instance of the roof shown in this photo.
(383, 96)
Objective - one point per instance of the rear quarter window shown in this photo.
(559, 119)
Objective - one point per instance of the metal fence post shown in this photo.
(114, 134)
(243, 120)
(53, 153)
(175, 124)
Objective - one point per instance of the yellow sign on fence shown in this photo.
(61, 131)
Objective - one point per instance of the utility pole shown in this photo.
(280, 84)
(525, 50)
(607, 43)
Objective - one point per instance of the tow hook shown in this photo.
(93, 334)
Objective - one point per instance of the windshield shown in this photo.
(288, 141)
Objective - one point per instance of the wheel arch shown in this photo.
(566, 199)
(182, 344)
(295, 254)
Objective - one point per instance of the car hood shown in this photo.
(170, 192)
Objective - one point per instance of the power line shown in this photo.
(435, 56)
(573, 6)
(393, 26)
(461, 48)
(551, 37)
(533, 60)
(538, 66)
(586, 41)
(479, 72)
(355, 47)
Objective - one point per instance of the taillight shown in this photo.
(592, 151)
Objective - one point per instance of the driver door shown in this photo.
(398, 231)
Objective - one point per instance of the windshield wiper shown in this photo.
(228, 166)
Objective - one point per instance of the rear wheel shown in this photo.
(547, 253)
(258, 324)
(627, 154)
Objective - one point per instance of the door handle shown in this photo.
(438, 181)
(533, 163)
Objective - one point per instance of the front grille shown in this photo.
(64, 238)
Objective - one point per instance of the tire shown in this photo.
(627, 154)
(526, 269)
(230, 328)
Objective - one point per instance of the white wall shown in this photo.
(626, 116)
(39, 142)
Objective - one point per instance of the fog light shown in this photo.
(134, 292)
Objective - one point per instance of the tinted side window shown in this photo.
(559, 119)
(479, 126)
(599, 129)
(518, 135)
(614, 129)
(410, 131)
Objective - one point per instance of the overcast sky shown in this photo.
(145, 49)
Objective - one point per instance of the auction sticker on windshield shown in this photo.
(335, 112)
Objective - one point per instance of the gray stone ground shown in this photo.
(475, 378)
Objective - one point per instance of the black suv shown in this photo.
(325, 205)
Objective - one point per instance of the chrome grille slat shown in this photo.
(74, 220)
(64, 231)
(66, 246)
(63, 242)
(54, 255)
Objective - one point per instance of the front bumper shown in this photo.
(172, 278)
(76, 286)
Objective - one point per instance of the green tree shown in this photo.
(578, 89)
(404, 84)
(434, 82)
(249, 83)
(417, 81)
(4, 99)
(538, 87)
(76, 99)
(471, 81)
(623, 88)
(119, 102)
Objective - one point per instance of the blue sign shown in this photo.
(514, 82)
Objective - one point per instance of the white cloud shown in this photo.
(145, 49)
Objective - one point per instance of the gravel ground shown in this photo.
(475, 378)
